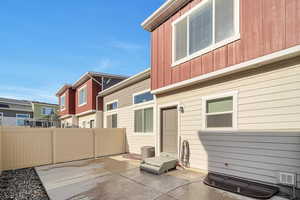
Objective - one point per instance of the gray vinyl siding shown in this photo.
(12, 113)
(124, 96)
(267, 140)
(134, 141)
(125, 113)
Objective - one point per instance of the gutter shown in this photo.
(163, 13)
(124, 83)
(251, 64)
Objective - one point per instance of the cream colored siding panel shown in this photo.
(287, 110)
(262, 139)
(125, 113)
(271, 119)
(271, 126)
(124, 96)
(87, 119)
(270, 97)
(289, 87)
(267, 138)
(270, 104)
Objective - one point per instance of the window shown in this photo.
(220, 111)
(1, 118)
(20, 119)
(112, 121)
(4, 105)
(92, 124)
(63, 102)
(83, 124)
(82, 96)
(143, 120)
(211, 24)
(112, 106)
(143, 97)
(47, 111)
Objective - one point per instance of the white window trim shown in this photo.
(45, 108)
(214, 45)
(60, 107)
(140, 108)
(234, 95)
(28, 117)
(78, 95)
(144, 103)
(111, 102)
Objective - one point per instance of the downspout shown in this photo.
(97, 109)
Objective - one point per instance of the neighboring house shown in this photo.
(14, 112)
(130, 104)
(226, 79)
(45, 114)
(79, 105)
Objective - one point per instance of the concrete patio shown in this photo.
(118, 177)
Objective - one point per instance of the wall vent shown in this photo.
(287, 178)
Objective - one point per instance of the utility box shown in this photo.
(147, 152)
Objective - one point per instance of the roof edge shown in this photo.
(131, 80)
(62, 89)
(87, 75)
(162, 13)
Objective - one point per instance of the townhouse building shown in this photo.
(15, 112)
(226, 79)
(79, 105)
(130, 104)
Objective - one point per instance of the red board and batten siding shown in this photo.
(92, 90)
(69, 102)
(266, 26)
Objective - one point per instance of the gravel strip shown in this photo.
(21, 184)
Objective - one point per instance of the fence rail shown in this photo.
(29, 147)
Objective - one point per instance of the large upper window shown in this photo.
(209, 25)
(63, 102)
(220, 111)
(142, 97)
(143, 120)
(1, 118)
(82, 96)
(47, 111)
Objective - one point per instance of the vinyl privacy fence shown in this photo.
(29, 147)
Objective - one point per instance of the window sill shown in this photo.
(219, 129)
(80, 105)
(143, 134)
(206, 50)
(144, 104)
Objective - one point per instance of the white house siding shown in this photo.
(9, 121)
(134, 141)
(267, 140)
(125, 114)
(86, 119)
(71, 120)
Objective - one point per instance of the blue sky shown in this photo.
(44, 44)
